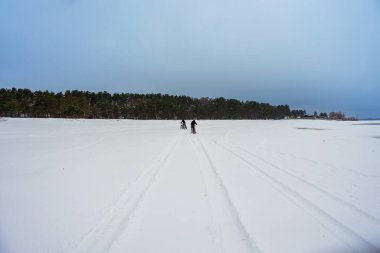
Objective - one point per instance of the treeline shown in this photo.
(103, 105)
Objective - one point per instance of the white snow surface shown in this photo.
(148, 187)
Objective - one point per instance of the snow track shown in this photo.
(102, 236)
(370, 218)
(350, 235)
(225, 231)
(232, 236)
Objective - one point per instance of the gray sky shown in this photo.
(319, 55)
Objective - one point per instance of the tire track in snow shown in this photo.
(223, 210)
(103, 235)
(215, 229)
(312, 161)
(328, 194)
(318, 189)
(352, 238)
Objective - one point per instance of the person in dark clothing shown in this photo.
(193, 123)
(183, 124)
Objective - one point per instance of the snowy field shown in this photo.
(146, 186)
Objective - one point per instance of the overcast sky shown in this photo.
(321, 55)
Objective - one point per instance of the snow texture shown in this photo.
(148, 187)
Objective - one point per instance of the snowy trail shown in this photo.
(257, 159)
(147, 187)
(304, 185)
(232, 233)
(351, 235)
(102, 236)
(352, 207)
(224, 231)
(174, 214)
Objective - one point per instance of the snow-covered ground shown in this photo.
(146, 186)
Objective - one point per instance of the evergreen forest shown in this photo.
(103, 105)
